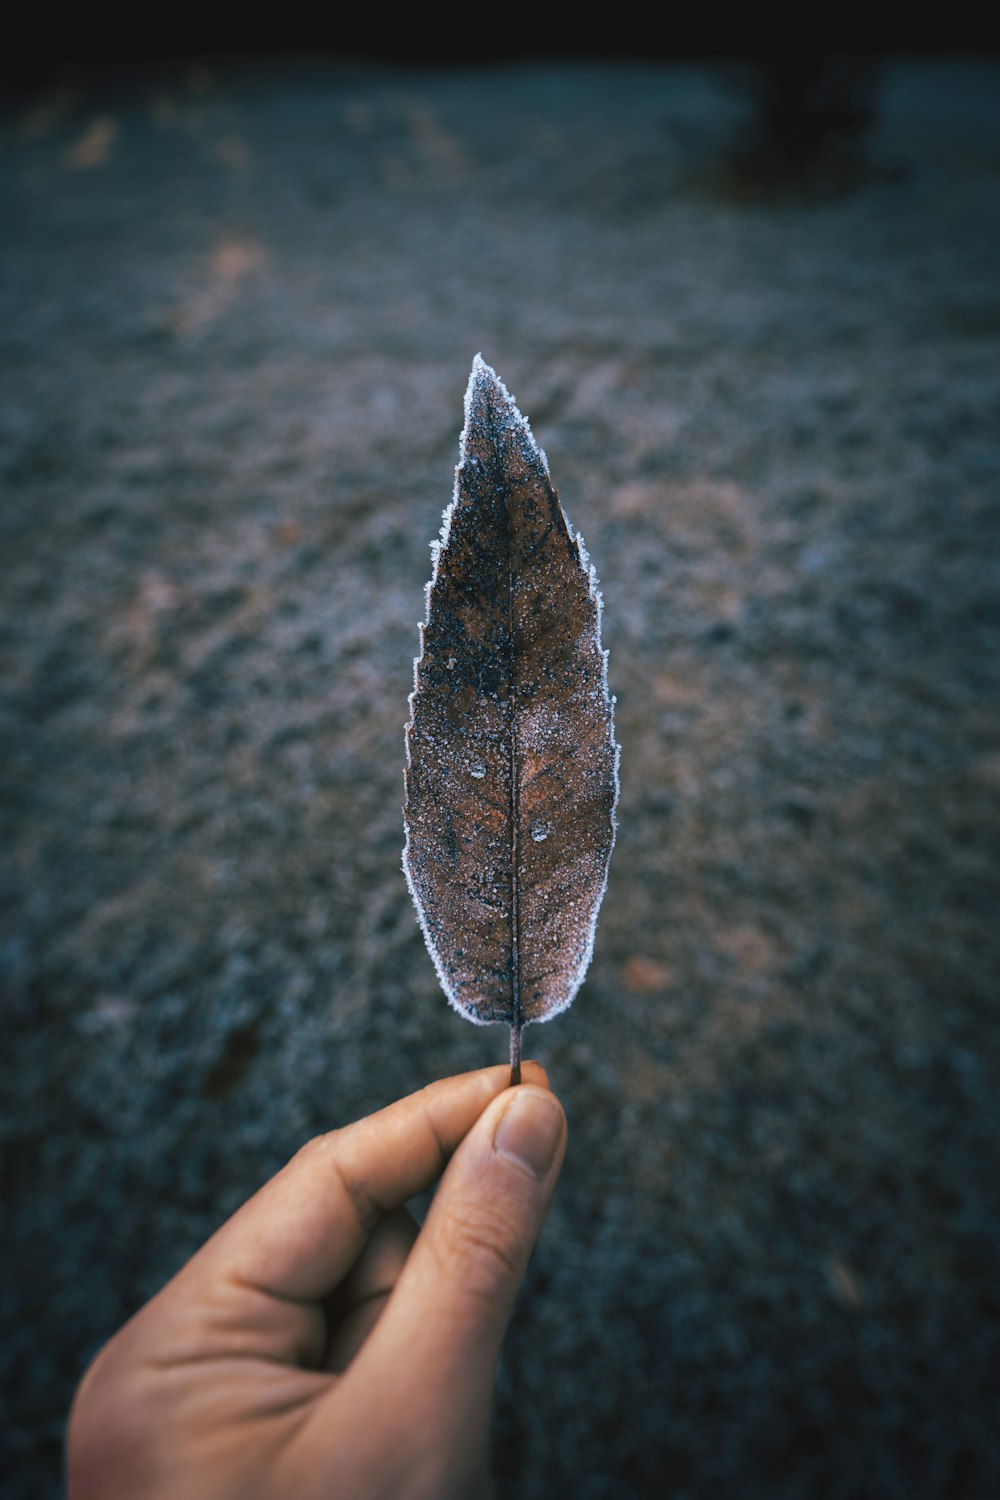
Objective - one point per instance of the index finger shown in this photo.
(301, 1233)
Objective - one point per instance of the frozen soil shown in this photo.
(239, 306)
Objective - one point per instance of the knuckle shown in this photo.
(483, 1243)
(316, 1148)
(331, 1154)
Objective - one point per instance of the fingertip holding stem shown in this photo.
(529, 1131)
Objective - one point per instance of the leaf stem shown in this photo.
(515, 1054)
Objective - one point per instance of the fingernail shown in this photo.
(530, 1129)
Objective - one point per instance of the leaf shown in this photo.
(512, 767)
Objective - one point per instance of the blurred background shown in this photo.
(744, 284)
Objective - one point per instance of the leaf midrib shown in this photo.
(515, 905)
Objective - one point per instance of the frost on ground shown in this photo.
(236, 308)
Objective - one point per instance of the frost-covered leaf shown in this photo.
(511, 778)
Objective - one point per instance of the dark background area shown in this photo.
(738, 28)
(753, 315)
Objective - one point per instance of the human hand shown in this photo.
(318, 1345)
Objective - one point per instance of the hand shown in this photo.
(318, 1345)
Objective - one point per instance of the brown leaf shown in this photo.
(511, 778)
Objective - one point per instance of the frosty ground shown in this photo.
(239, 306)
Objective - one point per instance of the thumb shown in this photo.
(489, 1210)
(439, 1338)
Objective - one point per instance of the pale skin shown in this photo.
(319, 1346)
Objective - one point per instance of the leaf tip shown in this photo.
(490, 407)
